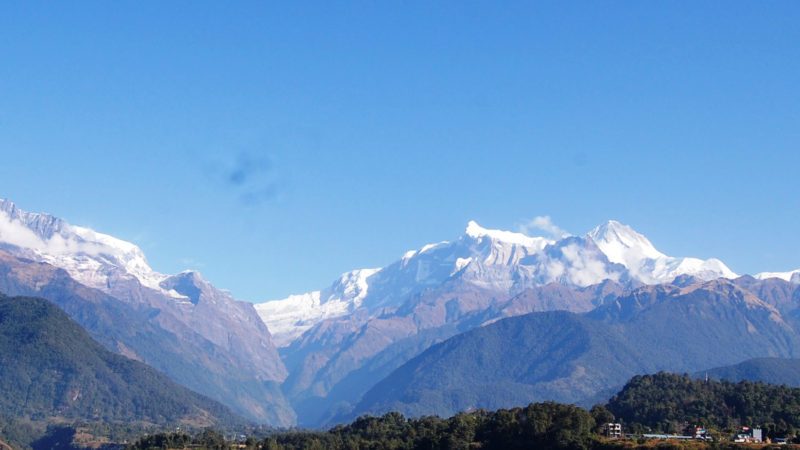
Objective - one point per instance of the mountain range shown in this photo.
(407, 335)
(498, 261)
(180, 324)
(567, 356)
(338, 341)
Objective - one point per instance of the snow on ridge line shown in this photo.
(299, 311)
(81, 251)
(288, 318)
(476, 231)
(623, 245)
(785, 276)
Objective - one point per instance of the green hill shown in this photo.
(557, 356)
(51, 371)
(665, 400)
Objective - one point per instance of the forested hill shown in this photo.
(50, 367)
(539, 425)
(664, 401)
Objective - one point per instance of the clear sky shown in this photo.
(274, 145)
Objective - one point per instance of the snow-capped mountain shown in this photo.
(92, 258)
(622, 245)
(289, 318)
(218, 344)
(791, 276)
(497, 261)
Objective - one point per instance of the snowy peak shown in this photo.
(476, 231)
(90, 257)
(622, 244)
(289, 318)
(792, 276)
(187, 283)
(43, 225)
(497, 261)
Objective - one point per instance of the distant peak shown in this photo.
(475, 230)
(615, 231)
(612, 227)
(618, 241)
(43, 225)
(189, 273)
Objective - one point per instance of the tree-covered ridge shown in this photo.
(51, 369)
(663, 401)
(543, 425)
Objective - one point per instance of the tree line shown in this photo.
(548, 424)
(664, 401)
(659, 403)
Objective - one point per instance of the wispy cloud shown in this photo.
(75, 242)
(545, 224)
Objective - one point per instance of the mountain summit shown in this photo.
(498, 261)
(623, 245)
(94, 259)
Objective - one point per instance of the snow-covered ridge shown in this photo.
(88, 256)
(429, 266)
(622, 245)
(500, 261)
(791, 276)
(476, 231)
(289, 318)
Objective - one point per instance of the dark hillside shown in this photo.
(51, 369)
(556, 356)
(568, 357)
(768, 370)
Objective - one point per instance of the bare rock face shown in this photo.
(236, 327)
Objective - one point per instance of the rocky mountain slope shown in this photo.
(566, 356)
(136, 331)
(337, 342)
(180, 324)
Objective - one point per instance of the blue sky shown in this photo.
(274, 145)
